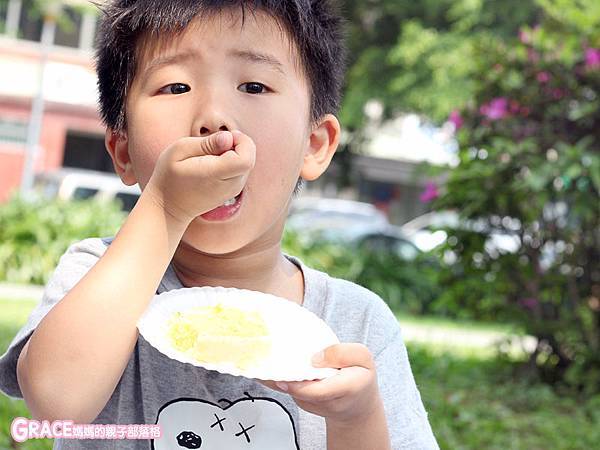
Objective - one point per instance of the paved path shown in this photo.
(465, 338)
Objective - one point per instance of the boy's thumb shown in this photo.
(217, 143)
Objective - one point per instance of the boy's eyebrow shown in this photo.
(165, 61)
(259, 58)
(248, 55)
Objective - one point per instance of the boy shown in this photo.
(217, 109)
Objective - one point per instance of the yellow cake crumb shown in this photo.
(220, 334)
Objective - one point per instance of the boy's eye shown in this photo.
(175, 88)
(254, 88)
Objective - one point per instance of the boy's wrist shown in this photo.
(176, 221)
(364, 431)
(357, 420)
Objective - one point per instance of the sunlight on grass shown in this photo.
(455, 324)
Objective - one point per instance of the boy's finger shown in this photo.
(339, 356)
(236, 163)
(244, 146)
(227, 166)
(270, 384)
(347, 382)
(215, 144)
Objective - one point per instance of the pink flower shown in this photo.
(495, 109)
(514, 106)
(456, 119)
(524, 37)
(533, 56)
(558, 93)
(430, 193)
(529, 303)
(592, 58)
(543, 77)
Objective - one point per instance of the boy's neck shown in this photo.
(266, 270)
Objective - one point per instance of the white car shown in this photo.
(335, 219)
(421, 232)
(348, 222)
(68, 183)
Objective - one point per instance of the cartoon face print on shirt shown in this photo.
(249, 423)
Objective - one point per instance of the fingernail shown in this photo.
(281, 385)
(221, 138)
(318, 358)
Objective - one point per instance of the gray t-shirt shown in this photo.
(199, 408)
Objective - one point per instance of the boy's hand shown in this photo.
(345, 399)
(197, 174)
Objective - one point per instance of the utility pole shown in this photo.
(51, 10)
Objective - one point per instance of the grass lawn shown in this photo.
(478, 403)
(474, 401)
(13, 314)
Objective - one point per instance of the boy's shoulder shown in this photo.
(347, 291)
(93, 246)
(352, 310)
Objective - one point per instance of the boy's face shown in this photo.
(213, 77)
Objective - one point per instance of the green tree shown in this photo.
(415, 56)
(530, 167)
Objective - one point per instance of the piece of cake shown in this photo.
(220, 334)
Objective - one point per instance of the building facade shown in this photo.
(71, 130)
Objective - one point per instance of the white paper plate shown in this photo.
(296, 333)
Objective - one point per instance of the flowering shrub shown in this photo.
(530, 169)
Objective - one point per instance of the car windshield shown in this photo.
(128, 201)
(82, 193)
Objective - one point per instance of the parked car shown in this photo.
(68, 183)
(335, 219)
(389, 240)
(348, 222)
(422, 232)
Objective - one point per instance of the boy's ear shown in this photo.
(117, 146)
(324, 141)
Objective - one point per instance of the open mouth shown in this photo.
(226, 210)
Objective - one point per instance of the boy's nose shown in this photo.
(204, 131)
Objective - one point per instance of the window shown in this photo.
(86, 151)
(68, 28)
(75, 27)
(13, 131)
(3, 12)
(30, 22)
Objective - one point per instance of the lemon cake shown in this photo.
(220, 334)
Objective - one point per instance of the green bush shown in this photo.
(34, 233)
(408, 286)
(529, 166)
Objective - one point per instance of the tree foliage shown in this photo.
(415, 56)
(530, 168)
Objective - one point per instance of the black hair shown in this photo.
(316, 27)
